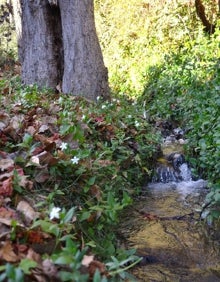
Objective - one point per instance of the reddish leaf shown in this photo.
(6, 213)
(96, 265)
(150, 217)
(34, 237)
(6, 187)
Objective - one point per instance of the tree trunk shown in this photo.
(200, 10)
(39, 45)
(84, 70)
(18, 26)
(58, 43)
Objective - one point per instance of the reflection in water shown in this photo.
(164, 227)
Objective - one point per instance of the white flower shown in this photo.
(55, 213)
(75, 160)
(63, 146)
(137, 123)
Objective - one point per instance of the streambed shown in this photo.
(175, 245)
(165, 227)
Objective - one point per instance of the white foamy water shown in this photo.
(184, 188)
(185, 172)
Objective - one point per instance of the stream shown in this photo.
(165, 226)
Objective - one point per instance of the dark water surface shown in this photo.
(165, 228)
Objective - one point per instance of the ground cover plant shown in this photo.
(68, 167)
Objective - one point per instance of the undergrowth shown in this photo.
(78, 164)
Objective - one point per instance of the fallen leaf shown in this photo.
(7, 221)
(5, 164)
(34, 237)
(33, 255)
(6, 188)
(43, 128)
(7, 253)
(42, 176)
(95, 191)
(24, 182)
(150, 217)
(28, 212)
(47, 158)
(6, 213)
(49, 268)
(94, 265)
(87, 260)
(34, 161)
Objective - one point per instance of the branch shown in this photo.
(200, 10)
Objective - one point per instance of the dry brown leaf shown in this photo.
(42, 175)
(28, 212)
(96, 265)
(96, 191)
(6, 188)
(7, 221)
(47, 158)
(4, 120)
(33, 255)
(7, 253)
(6, 175)
(24, 182)
(43, 128)
(31, 130)
(16, 121)
(5, 164)
(34, 161)
(49, 268)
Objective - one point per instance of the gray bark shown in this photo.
(58, 43)
(84, 70)
(40, 44)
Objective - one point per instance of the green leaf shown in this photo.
(85, 215)
(91, 181)
(26, 264)
(69, 215)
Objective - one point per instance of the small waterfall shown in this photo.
(172, 168)
(185, 172)
(173, 173)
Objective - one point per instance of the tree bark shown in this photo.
(57, 42)
(40, 44)
(84, 70)
(200, 10)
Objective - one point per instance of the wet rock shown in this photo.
(148, 259)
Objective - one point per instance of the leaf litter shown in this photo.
(33, 127)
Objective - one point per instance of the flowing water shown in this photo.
(165, 227)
